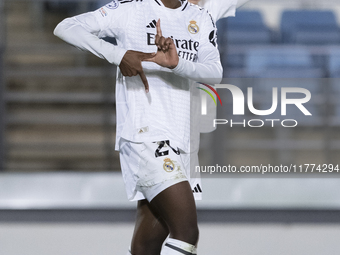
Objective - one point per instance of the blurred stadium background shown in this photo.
(60, 186)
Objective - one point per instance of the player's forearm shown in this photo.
(71, 31)
(207, 73)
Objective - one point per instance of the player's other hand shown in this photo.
(131, 65)
(166, 55)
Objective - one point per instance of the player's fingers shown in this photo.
(158, 41)
(145, 56)
(153, 59)
(126, 72)
(150, 60)
(161, 43)
(144, 80)
(158, 27)
(167, 43)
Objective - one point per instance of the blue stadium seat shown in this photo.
(316, 36)
(232, 59)
(307, 79)
(244, 18)
(246, 28)
(334, 73)
(276, 62)
(284, 66)
(334, 63)
(261, 59)
(309, 27)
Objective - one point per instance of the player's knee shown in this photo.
(147, 247)
(193, 232)
(187, 234)
(193, 235)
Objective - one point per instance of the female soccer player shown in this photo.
(163, 47)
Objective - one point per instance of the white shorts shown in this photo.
(150, 168)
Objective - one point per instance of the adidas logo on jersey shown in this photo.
(152, 24)
(197, 189)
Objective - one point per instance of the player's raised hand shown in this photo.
(166, 55)
(131, 65)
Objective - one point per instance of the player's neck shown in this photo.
(172, 4)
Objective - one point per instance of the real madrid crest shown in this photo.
(193, 28)
(168, 165)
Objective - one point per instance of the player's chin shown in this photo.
(194, 1)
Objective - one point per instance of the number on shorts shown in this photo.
(159, 153)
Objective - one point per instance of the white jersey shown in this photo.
(218, 9)
(164, 112)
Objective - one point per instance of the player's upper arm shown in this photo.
(106, 21)
(87, 20)
(208, 68)
(86, 30)
(208, 51)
